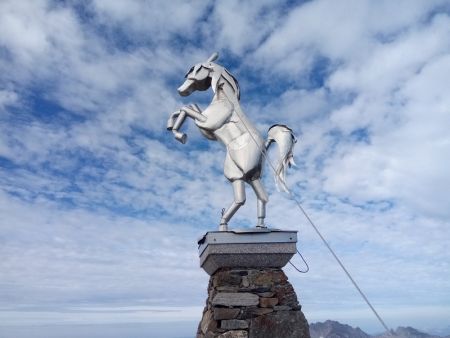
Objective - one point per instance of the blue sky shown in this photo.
(101, 208)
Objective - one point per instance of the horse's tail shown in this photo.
(284, 137)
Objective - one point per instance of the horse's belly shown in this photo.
(247, 157)
(243, 158)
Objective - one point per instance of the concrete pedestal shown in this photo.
(250, 248)
(249, 296)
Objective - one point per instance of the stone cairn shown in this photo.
(252, 303)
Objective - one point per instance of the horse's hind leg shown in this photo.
(239, 200)
(262, 197)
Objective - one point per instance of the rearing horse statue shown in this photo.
(223, 120)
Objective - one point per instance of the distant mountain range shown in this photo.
(333, 329)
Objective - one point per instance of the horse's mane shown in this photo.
(229, 78)
(233, 83)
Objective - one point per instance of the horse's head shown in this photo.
(198, 77)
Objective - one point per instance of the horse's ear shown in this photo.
(213, 57)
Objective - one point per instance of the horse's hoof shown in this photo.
(181, 137)
(223, 227)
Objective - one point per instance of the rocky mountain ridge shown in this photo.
(334, 329)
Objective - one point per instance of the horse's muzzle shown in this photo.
(186, 88)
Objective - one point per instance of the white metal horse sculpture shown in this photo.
(224, 120)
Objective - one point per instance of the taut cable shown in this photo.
(325, 242)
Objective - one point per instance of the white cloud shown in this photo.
(391, 63)
(152, 20)
(118, 257)
(103, 191)
(7, 98)
(405, 112)
(241, 26)
(344, 32)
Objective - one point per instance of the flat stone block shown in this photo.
(266, 294)
(221, 313)
(282, 308)
(234, 324)
(234, 334)
(268, 302)
(235, 299)
(207, 323)
(250, 248)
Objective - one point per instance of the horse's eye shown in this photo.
(189, 72)
(199, 69)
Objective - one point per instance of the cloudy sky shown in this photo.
(101, 208)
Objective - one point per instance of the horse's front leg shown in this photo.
(177, 119)
(195, 112)
(175, 122)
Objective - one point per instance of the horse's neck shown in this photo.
(224, 92)
(226, 95)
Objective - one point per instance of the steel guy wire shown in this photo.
(325, 242)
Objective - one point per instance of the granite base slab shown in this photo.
(249, 248)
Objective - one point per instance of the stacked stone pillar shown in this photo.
(252, 303)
